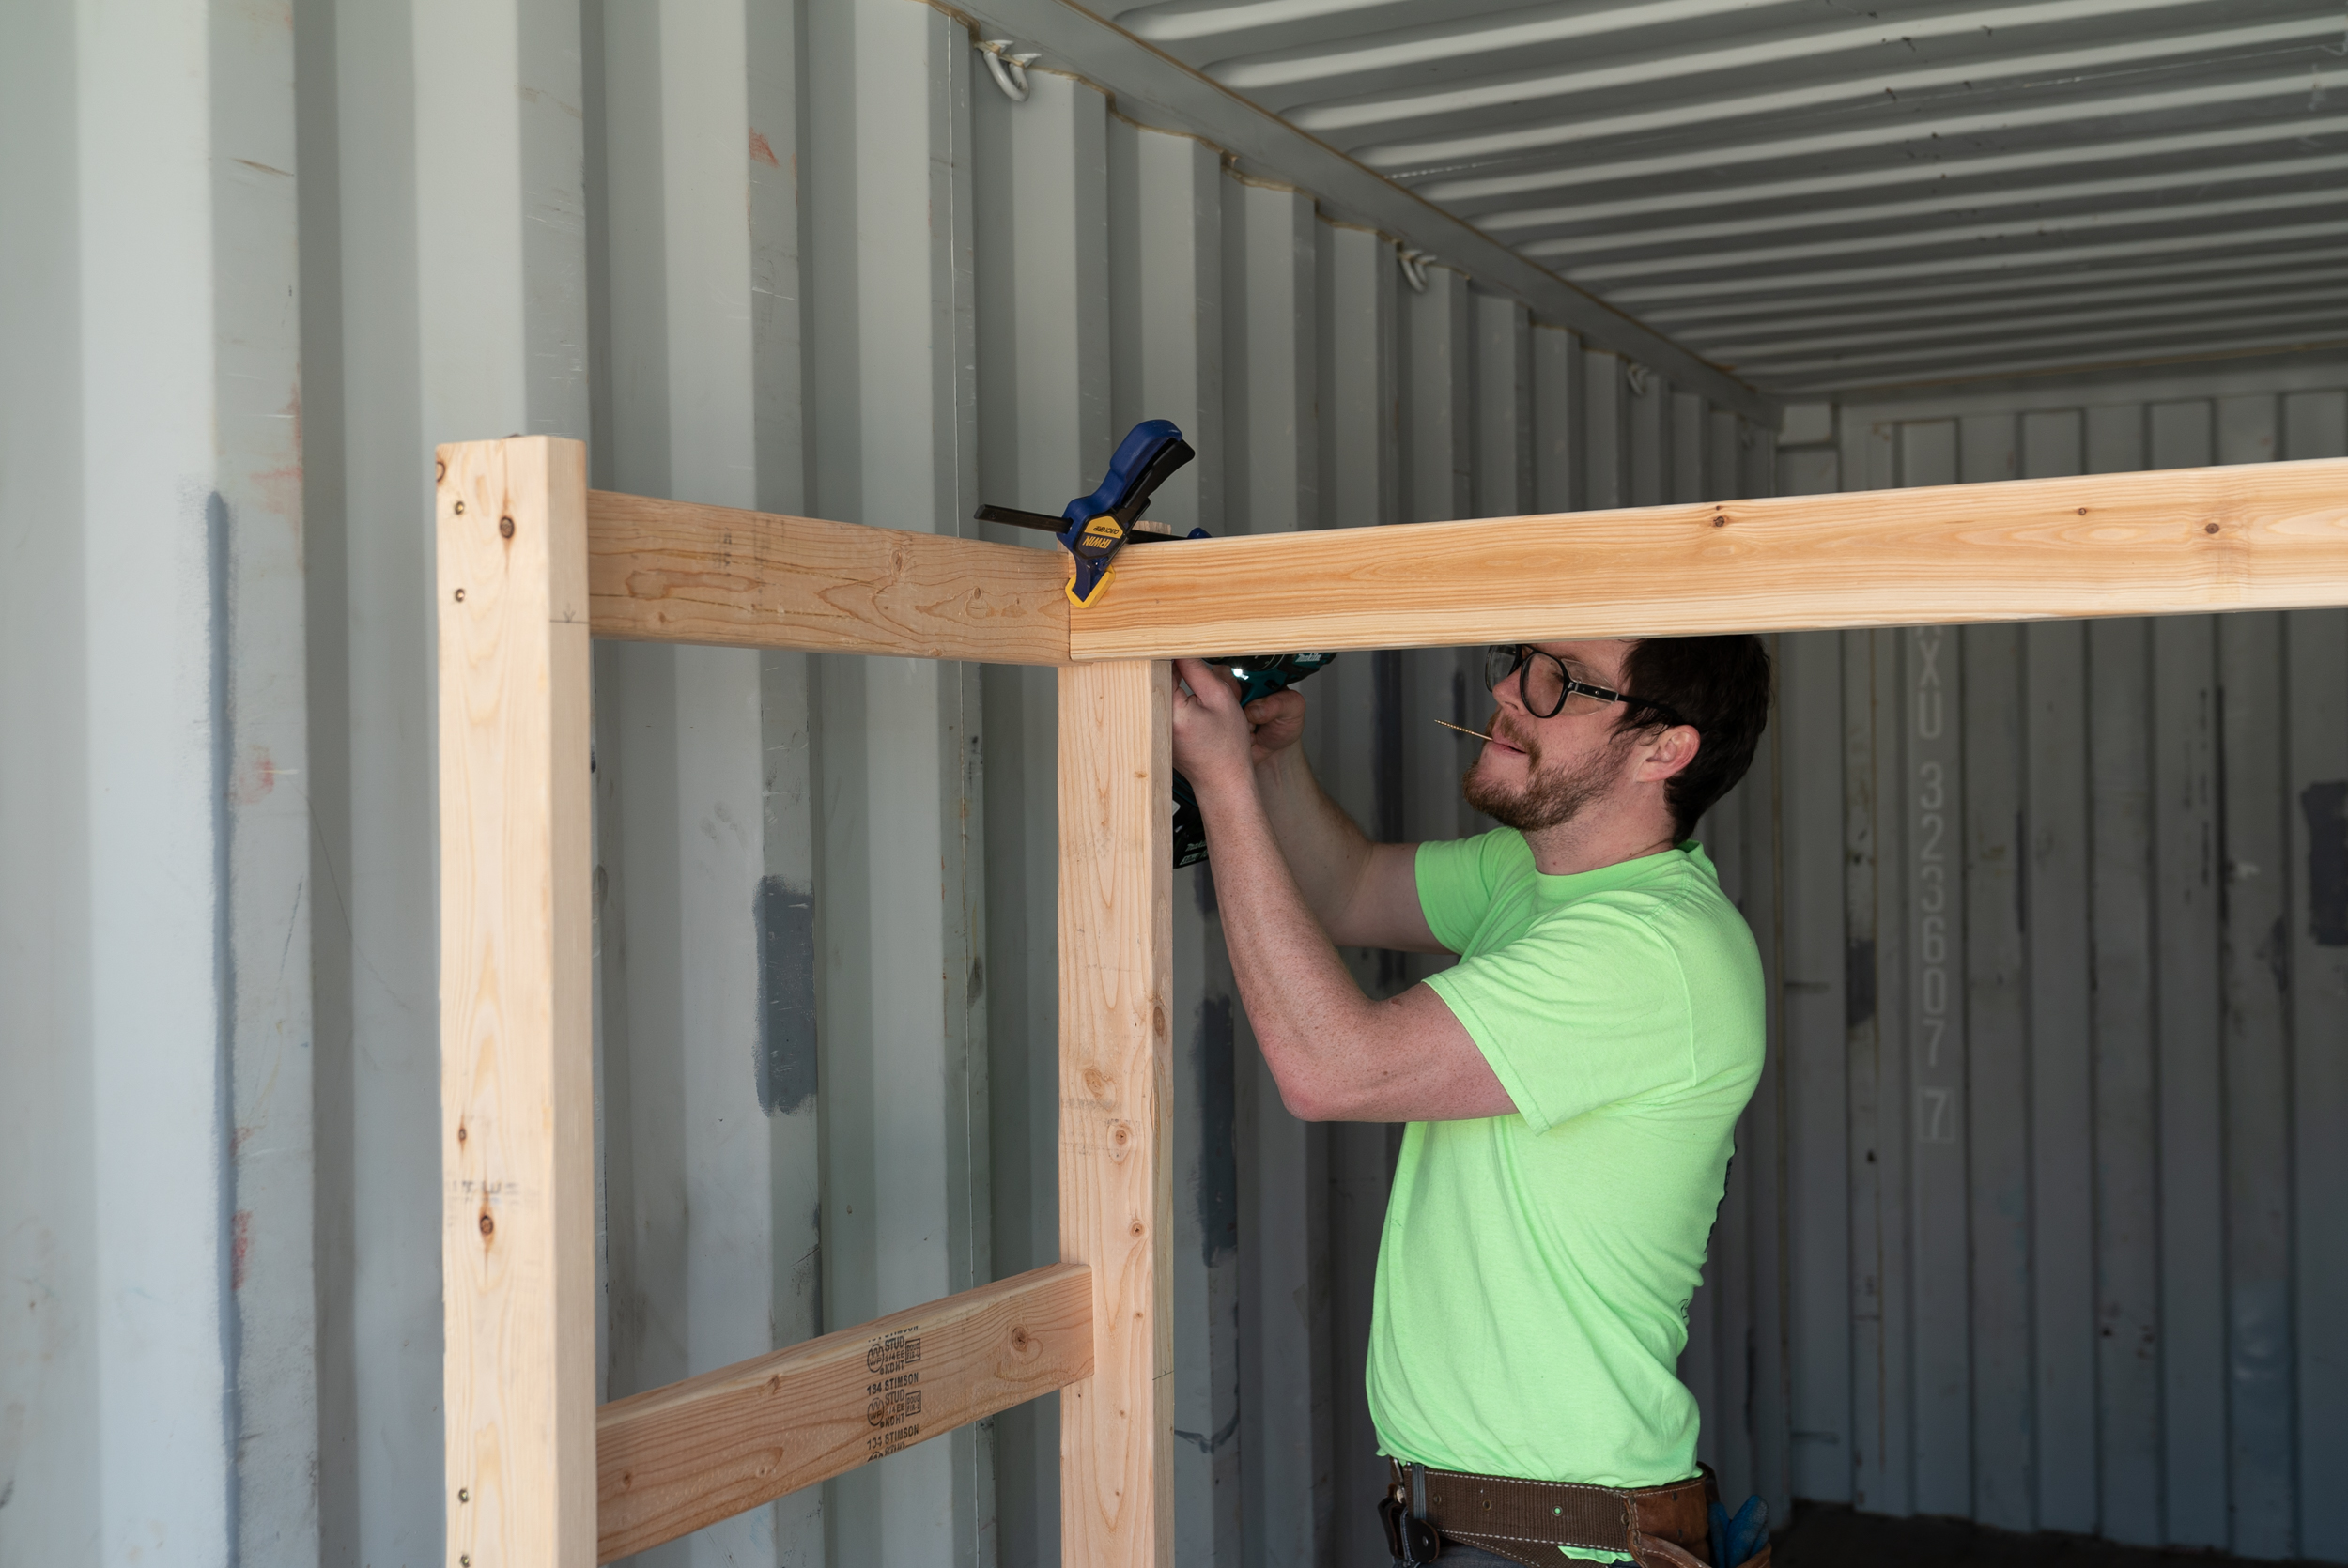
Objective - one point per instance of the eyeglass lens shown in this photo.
(1543, 688)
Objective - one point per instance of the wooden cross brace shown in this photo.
(532, 565)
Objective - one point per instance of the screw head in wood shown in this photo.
(460, 595)
(465, 1561)
(464, 1494)
(460, 509)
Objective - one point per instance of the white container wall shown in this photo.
(254, 265)
(2066, 1038)
(2034, 1218)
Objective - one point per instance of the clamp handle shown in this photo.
(1102, 523)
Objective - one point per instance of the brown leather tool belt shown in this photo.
(1526, 1521)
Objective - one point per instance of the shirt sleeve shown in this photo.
(1455, 887)
(1588, 1008)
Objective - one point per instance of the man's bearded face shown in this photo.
(1549, 794)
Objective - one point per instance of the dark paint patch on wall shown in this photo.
(1385, 783)
(785, 920)
(1859, 982)
(1385, 746)
(219, 572)
(1211, 1053)
(2325, 805)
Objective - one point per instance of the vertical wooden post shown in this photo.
(1116, 1201)
(517, 1071)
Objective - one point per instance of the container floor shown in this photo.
(1823, 1535)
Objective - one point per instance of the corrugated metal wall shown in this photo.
(2066, 1048)
(2034, 1218)
(253, 265)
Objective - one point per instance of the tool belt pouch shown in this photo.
(1526, 1521)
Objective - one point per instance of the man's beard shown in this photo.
(1546, 799)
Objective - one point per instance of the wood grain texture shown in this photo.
(2268, 536)
(665, 570)
(673, 1460)
(1115, 1169)
(517, 1073)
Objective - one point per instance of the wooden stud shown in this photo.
(673, 1460)
(1115, 1206)
(2264, 535)
(517, 1073)
(666, 571)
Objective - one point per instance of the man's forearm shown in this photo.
(1307, 1014)
(1326, 851)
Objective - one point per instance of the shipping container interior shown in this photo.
(2037, 1218)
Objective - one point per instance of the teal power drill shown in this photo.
(1260, 676)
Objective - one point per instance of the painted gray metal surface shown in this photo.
(809, 259)
(1155, 85)
(1815, 196)
(2063, 1248)
(158, 1389)
(756, 256)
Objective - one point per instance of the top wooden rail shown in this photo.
(2178, 541)
(2255, 536)
(666, 571)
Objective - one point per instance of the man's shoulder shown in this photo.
(1676, 893)
(1678, 918)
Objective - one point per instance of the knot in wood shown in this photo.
(505, 528)
(1097, 1083)
(487, 1225)
(2209, 527)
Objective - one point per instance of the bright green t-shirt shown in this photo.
(1534, 1270)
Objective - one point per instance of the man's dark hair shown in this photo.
(1721, 684)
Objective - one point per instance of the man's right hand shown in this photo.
(1278, 721)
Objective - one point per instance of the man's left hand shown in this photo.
(1213, 741)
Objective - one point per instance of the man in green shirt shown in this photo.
(1572, 1085)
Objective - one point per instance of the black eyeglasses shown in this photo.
(1545, 688)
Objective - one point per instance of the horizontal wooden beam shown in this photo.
(2252, 536)
(666, 571)
(673, 1460)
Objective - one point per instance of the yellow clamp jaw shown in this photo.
(1101, 535)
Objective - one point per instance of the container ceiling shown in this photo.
(1823, 195)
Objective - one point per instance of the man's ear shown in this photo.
(1671, 753)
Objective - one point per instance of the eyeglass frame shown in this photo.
(1522, 656)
